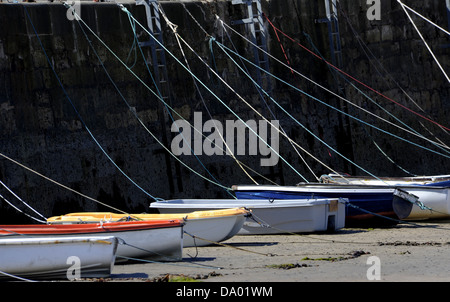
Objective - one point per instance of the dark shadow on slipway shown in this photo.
(347, 231)
(251, 243)
(127, 276)
(270, 243)
(198, 259)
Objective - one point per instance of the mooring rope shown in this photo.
(259, 91)
(215, 95)
(173, 27)
(197, 265)
(379, 106)
(23, 202)
(317, 84)
(371, 57)
(79, 115)
(330, 106)
(358, 81)
(264, 224)
(224, 48)
(20, 211)
(227, 188)
(133, 26)
(423, 40)
(323, 87)
(16, 277)
(57, 183)
(228, 245)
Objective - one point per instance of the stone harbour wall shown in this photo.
(80, 129)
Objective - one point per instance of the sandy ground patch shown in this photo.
(406, 252)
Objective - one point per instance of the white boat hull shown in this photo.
(151, 246)
(58, 257)
(268, 216)
(216, 229)
(165, 244)
(158, 244)
(435, 198)
(200, 228)
(392, 181)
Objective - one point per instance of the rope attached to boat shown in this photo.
(211, 92)
(121, 241)
(353, 78)
(57, 183)
(16, 277)
(148, 88)
(264, 224)
(227, 245)
(423, 40)
(78, 113)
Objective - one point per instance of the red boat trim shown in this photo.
(50, 229)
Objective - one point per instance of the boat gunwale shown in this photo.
(249, 203)
(60, 240)
(164, 216)
(83, 219)
(335, 187)
(85, 228)
(407, 182)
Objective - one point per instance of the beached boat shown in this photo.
(433, 192)
(57, 257)
(270, 216)
(367, 205)
(431, 180)
(213, 225)
(155, 240)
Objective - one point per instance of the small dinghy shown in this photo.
(156, 240)
(213, 225)
(56, 257)
(270, 216)
(367, 205)
(432, 192)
